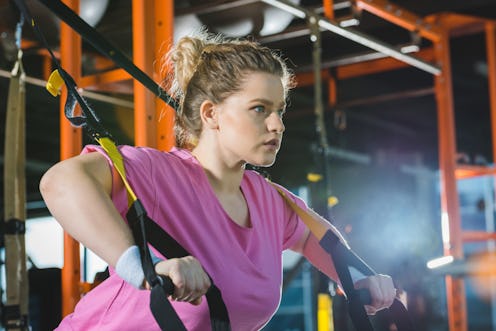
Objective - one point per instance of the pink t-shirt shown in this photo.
(244, 263)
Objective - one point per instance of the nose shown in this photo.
(275, 123)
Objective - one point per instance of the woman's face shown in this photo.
(250, 125)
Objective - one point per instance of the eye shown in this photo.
(281, 112)
(259, 109)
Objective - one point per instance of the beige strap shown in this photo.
(17, 286)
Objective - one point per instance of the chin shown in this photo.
(262, 159)
(263, 163)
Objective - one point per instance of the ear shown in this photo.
(208, 114)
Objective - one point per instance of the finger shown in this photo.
(388, 291)
(201, 285)
(377, 288)
(179, 286)
(194, 283)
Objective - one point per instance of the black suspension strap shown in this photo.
(343, 258)
(101, 44)
(146, 231)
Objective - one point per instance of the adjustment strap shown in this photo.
(147, 231)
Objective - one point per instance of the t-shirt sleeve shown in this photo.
(132, 160)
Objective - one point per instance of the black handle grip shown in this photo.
(166, 284)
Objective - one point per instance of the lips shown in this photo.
(273, 143)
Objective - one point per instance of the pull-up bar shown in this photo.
(354, 35)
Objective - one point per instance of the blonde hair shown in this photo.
(212, 67)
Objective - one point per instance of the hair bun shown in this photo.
(186, 56)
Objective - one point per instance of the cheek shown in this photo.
(240, 124)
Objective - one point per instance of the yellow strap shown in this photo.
(53, 86)
(109, 146)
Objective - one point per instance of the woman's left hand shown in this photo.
(382, 292)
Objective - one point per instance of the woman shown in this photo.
(232, 95)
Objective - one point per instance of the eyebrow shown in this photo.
(268, 102)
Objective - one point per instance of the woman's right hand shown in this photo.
(190, 281)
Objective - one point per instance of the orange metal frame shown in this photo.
(70, 145)
(438, 29)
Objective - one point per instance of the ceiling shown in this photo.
(391, 113)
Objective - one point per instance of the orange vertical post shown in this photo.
(333, 91)
(491, 76)
(451, 223)
(328, 8)
(70, 145)
(164, 37)
(143, 51)
(152, 36)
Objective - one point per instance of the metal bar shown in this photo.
(164, 37)
(491, 77)
(103, 78)
(471, 171)
(289, 33)
(355, 36)
(319, 106)
(70, 145)
(143, 51)
(328, 8)
(377, 66)
(414, 93)
(401, 17)
(358, 59)
(87, 94)
(450, 211)
(472, 236)
(213, 7)
(489, 218)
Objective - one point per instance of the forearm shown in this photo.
(319, 257)
(310, 247)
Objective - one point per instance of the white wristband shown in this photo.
(129, 268)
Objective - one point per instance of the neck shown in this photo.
(224, 177)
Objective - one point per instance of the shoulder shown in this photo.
(134, 154)
(258, 182)
(262, 185)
